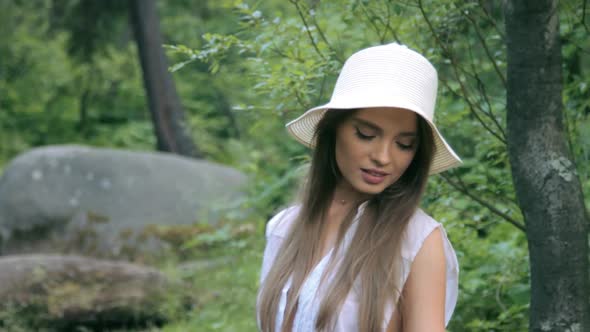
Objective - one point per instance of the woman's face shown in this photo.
(374, 147)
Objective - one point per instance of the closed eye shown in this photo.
(362, 135)
(405, 146)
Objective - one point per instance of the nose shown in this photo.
(381, 154)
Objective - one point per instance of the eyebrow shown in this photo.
(378, 129)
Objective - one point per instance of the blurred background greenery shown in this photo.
(70, 73)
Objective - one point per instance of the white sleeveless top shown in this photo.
(419, 227)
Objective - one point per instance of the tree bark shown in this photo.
(547, 184)
(166, 110)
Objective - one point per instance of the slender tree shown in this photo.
(165, 107)
(547, 185)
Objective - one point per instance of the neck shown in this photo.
(344, 194)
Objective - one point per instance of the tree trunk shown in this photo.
(165, 107)
(547, 184)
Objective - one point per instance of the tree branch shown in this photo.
(491, 20)
(463, 189)
(375, 27)
(322, 87)
(482, 91)
(300, 100)
(325, 40)
(484, 95)
(455, 67)
(388, 26)
(485, 47)
(584, 16)
(307, 29)
(473, 111)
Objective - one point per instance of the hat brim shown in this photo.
(303, 130)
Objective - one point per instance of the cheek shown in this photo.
(341, 157)
(404, 161)
(347, 154)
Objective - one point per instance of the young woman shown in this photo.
(357, 254)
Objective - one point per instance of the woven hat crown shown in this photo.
(387, 75)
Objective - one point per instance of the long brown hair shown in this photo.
(374, 254)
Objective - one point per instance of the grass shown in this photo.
(226, 290)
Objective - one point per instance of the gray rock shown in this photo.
(73, 290)
(98, 201)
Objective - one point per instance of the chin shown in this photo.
(370, 190)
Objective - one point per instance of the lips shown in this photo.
(373, 176)
(374, 172)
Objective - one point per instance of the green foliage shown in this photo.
(226, 288)
(243, 69)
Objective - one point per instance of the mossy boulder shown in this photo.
(62, 291)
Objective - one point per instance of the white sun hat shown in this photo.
(389, 75)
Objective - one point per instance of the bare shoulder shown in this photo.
(423, 305)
